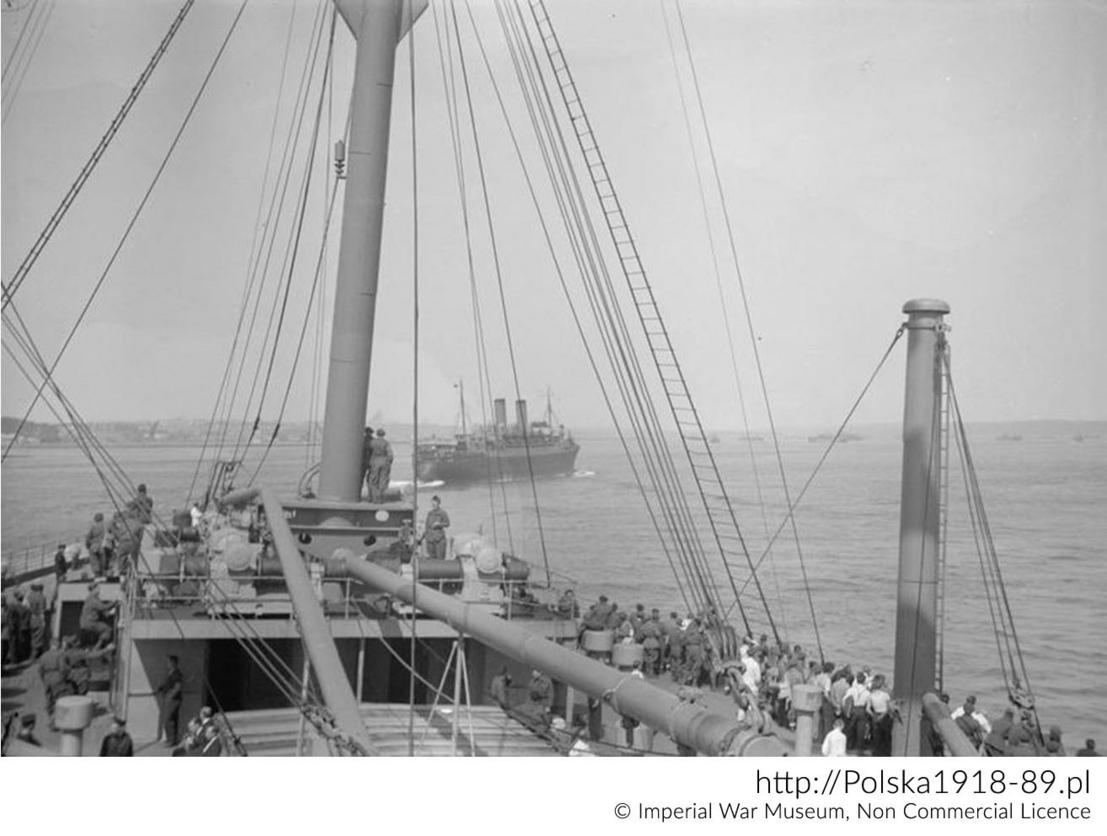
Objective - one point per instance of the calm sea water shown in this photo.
(1045, 498)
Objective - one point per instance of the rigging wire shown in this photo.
(250, 274)
(609, 317)
(244, 440)
(414, 350)
(752, 333)
(829, 448)
(130, 226)
(20, 275)
(1014, 665)
(590, 263)
(446, 57)
(21, 72)
(291, 265)
(24, 27)
(716, 269)
(577, 320)
(503, 302)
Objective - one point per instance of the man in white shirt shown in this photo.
(752, 673)
(834, 744)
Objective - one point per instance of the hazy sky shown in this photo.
(870, 152)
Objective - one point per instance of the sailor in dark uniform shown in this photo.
(171, 691)
(434, 532)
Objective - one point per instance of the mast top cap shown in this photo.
(932, 306)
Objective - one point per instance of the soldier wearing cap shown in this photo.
(52, 669)
(142, 506)
(380, 466)
(61, 565)
(117, 743)
(93, 616)
(434, 531)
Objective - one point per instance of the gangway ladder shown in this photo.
(709, 483)
(943, 359)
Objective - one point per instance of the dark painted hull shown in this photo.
(505, 463)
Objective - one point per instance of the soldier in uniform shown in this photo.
(693, 652)
(52, 669)
(20, 638)
(61, 565)
(434, 531)
(380, 467)
(78, 673)
(540, 689)
(93, 613)
(142, 506)
(171, 691)
(117, 743)
(94, 542)
(36, 608)
(651, 635)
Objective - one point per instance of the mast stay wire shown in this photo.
(484, 380)
(827, 451)
(131, 224)
(296, 125)
(20, 275)
(749, 325)
(755, 469)
(1014, 667)
(290, 262)
(609, 319)
(676, 390)
(576, 317)
(23, 29)
(414, 355)
(259, 265)
(248, 285)
(612, 328)
(503, 301)
(21, 72)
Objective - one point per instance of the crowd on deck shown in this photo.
(856, 714)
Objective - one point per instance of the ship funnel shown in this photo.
(521, 416)
(500, 407)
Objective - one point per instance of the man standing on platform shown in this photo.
(380, 467)
(434, 532)
(171, 692)
(94, 542)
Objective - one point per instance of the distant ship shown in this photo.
(502, 451)
(842, 439)
(1010, 438)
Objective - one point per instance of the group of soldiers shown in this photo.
(66, 669)
(376, 464)
(114, 547)
(673, 644)
(25, 619)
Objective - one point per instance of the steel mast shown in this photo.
(377, 25)
(920, 513)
